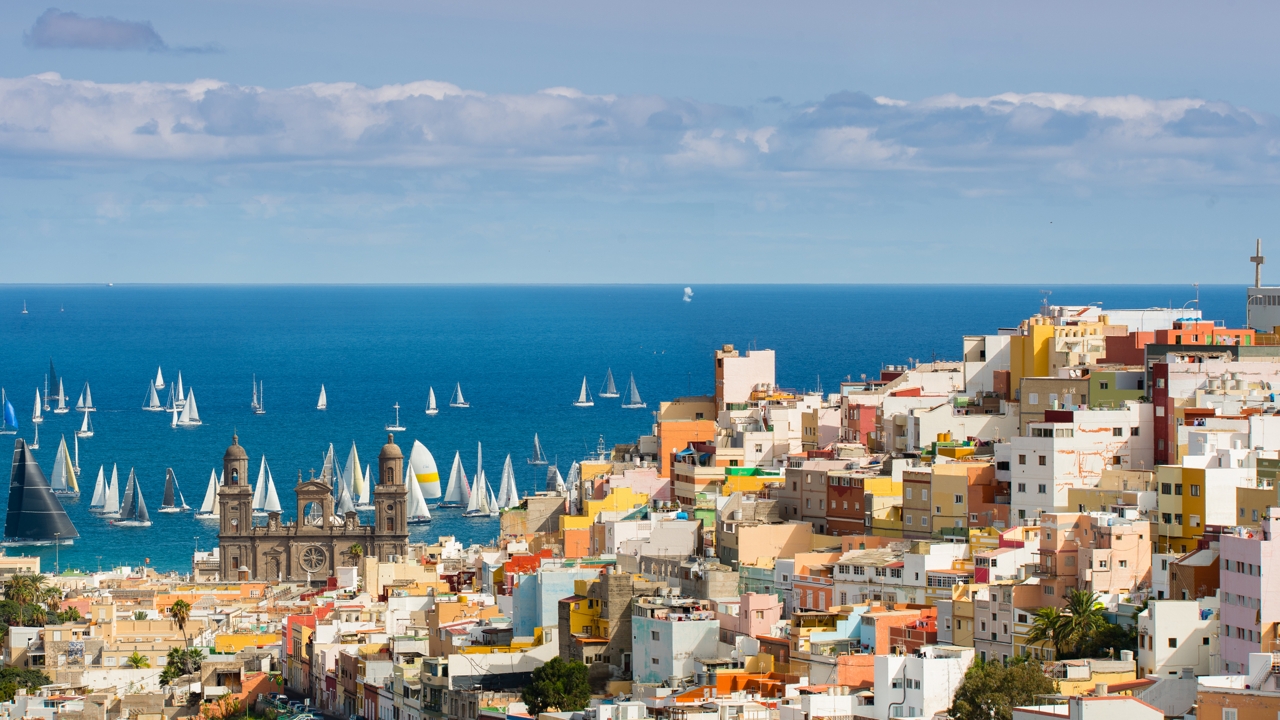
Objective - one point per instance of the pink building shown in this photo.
(752, 615)
(643, 480)
(1250, 593)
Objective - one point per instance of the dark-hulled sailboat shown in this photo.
(134, 511)
(35, 516)
(173, 501)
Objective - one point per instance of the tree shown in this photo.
(137, 661)
(1045, 627)
(356, 551)
(991, 690)
(181, 612)
(1081, 622)
(558, 684)
(180, 662)
(51, 596)
(139, 614)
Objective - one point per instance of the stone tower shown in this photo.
(235, 503)
(390, 498)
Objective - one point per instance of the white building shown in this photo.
(1178, 634)
(1072, 449)
(919, 685)
(1106, 707)
(669, 634)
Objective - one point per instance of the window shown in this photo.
(1195, 491)
(1041, 460)
(910, 521)
(1115, 460)
(1166, 488)
(1022, 459)
(1048, 589)
(1159, 411)
(1102, 564)
(1124, 563)
(1022, 487)
(924, 494)
(1043, 487)
(1177, 518)
(1133, 432)
(1103, 385)
(1033, 398)
(1177, 489)
(656, 635)
(808, 503)
(653, 660)
(1255, 516)
(908, 492)
(959, 499)
(1117, 432)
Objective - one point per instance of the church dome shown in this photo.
(390, 451)
(235, 452)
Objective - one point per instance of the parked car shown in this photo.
(296, 707)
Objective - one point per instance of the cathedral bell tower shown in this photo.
(235, 505)
(390, 497)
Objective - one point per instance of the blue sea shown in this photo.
(520, 353)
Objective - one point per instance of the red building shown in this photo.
(845, 513)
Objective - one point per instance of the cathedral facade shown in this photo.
(312, 547)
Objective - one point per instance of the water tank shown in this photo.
(682, 515)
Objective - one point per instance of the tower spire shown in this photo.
(1257, 261)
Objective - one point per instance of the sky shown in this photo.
(585, 142)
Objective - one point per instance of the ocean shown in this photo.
(520, 353)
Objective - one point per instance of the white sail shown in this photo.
(111, 506)
(61, 467)
(88, 399)
(353, 478)
(86, 427)
(273, 501)
(608, 390)
(571, 485)
(80, 402)
(425, 473)
(326, 467)
(260, 488)
(37, 415)
(62, 400)
(633, 398)
(539, 457)
(555, 481)
(362, 502)
(152, 400)
(584, 395)
(479, 500)
(190, 414)
(159, 383)
(254, 402)
(324, 400)
(417, 509)
(261, 408)
(493, 504)
(508, 494)
(179, 391)
(344, 505)
(457, 400)
(99, 491)
(210, 505)
(431, 401)
(458, 492)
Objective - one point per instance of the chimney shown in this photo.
(1100, 689)
(1126, 656)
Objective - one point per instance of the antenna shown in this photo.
(1258, 260)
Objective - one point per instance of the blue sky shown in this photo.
(229, 141)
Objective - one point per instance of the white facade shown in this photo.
(1057, 456)
(744, 373)
(920, 685)
(1108, 707)
(984, 355)
(662, 649)
(925, 424)
(1160, 574)
(1177, 634)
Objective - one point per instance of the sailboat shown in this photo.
(253, 404)
(179, 398)
(356, 484)
(555, 481)
(344, 504)
(608, 390)
(64, 482)
(51, 381)
(35, 442)
(134, 513)
(633, 398)
(324, 400)
(584, 396)
(261, 409)
(416, 508)
(86, 427)
(37, 413)
(431, 402)
(62, 408)
(478, 505)
(77, 455)
(508, 493)
(171, 403)
(111, 498)
(209, 508)
(99, 492)
(425, 473)
(326, 467)
(265, 499)
(457, 400)
(190, 415)
(159, 382)
(395, 426)
(8, 417)
(85, 403)
(34, 517)
(458, 493)
(24, 307)
(151, 401)
(539, 458)
(173, 501)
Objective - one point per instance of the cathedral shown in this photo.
(313, 546)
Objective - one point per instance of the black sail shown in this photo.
(168, 489)
(34, 513)
(128, 509)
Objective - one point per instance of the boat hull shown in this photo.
(172, 510)
(460, 405)
(364, 508)
(69, 495)
(636, 406)
(536, 462)
(419, 521)
(609, 395)
(433, 412)
(476, 513)
(394, 428)
(132, 523)
(83, 435)
(205, 516)
(584, 404)
(20, 542)
(450, 505)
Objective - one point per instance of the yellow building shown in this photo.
(230, 644)
(886, 520)
(1029, 352)
(618, 500)
(1180, 503)
(1252, 503)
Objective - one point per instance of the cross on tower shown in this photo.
(1257, 261)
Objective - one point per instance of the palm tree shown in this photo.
(52, 598)
(24, 588)
(356, 551)
(1047, 627)
(137, 661)
(139, 614)
(1081, 621)
(181, 612)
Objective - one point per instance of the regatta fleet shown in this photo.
(123, 504)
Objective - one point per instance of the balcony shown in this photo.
(1043, 571)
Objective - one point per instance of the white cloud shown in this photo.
(1051, 137)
